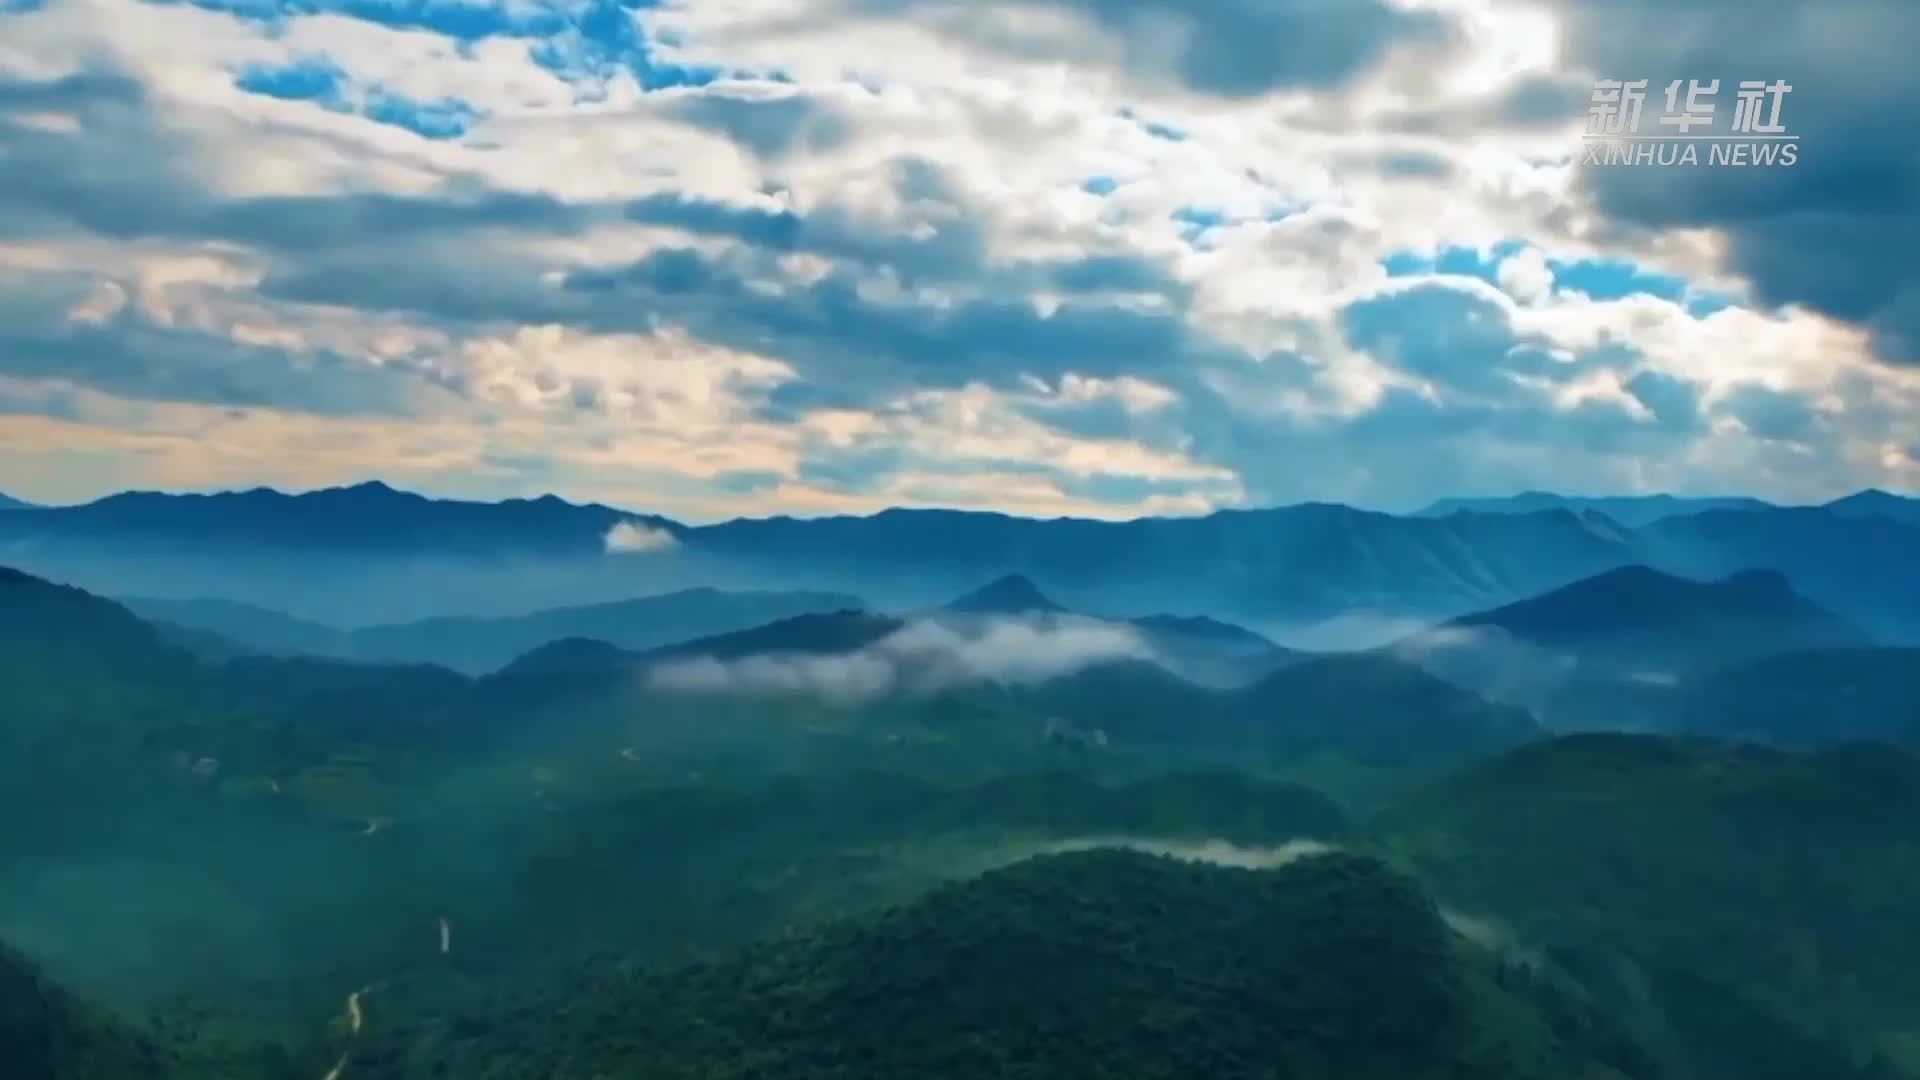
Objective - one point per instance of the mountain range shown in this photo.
(370, 554)
(960, 835)
(477, 645)
(1633, 511)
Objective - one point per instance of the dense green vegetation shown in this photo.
(1788, 876)
(1807, 699)
(45, 1034)
(207, 859)
(1099, 964)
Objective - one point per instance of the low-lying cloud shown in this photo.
(1217, 852)
(1494, 936)
(924, 656)
(1490, 661)
(634, 538)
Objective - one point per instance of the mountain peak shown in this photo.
(1014, 594)
(369, 490)
(1639, 599)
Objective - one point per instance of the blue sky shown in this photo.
(1089, 257)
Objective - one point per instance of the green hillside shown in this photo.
(1788, 876)
(1096, 964)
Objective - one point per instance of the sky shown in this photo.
(1101, 258)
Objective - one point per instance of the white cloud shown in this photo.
(633, 538)
(1216, 852)
(933, 168)
(924, 656)
(1526, 276)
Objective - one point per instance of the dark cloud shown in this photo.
(76, 91)
(1539, 100)
(303, 223)
(129, 355)
(747, 481)
(667, 272)
(952, 247)
(777, 230)
(1227, 48)
(770, 127)
(1457, 338)
(1460, 336)
(1673, 401)
(118, 175)
(1542, 101)
(437, 255)
(124, 174)
(1771, 414)
(1412, 164)
(1409, 445)
(829, 329)
(995, 340)
(1836, 231)
(948, 314)
(858, 471)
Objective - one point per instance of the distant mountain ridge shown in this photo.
(364, 517)
(1376, 707)
(1642, 600)
(477, 645)
(1630, 510)
(1280, 566)
(1874, 501)
(1607, 652)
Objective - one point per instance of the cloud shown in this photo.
(840, 680)
(633, 538)
(1493, 936)
(924, 656)
(1490, 661)
(769, 125)
(1831, 232)
(1526, 276)
(1233, 48)
(1770, 414)
(1216, 852)
(1101, 257)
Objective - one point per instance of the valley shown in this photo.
(789, 834)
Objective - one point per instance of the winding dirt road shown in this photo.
(356, 1019)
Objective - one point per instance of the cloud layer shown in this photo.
(1101, 257)
(925, 656)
